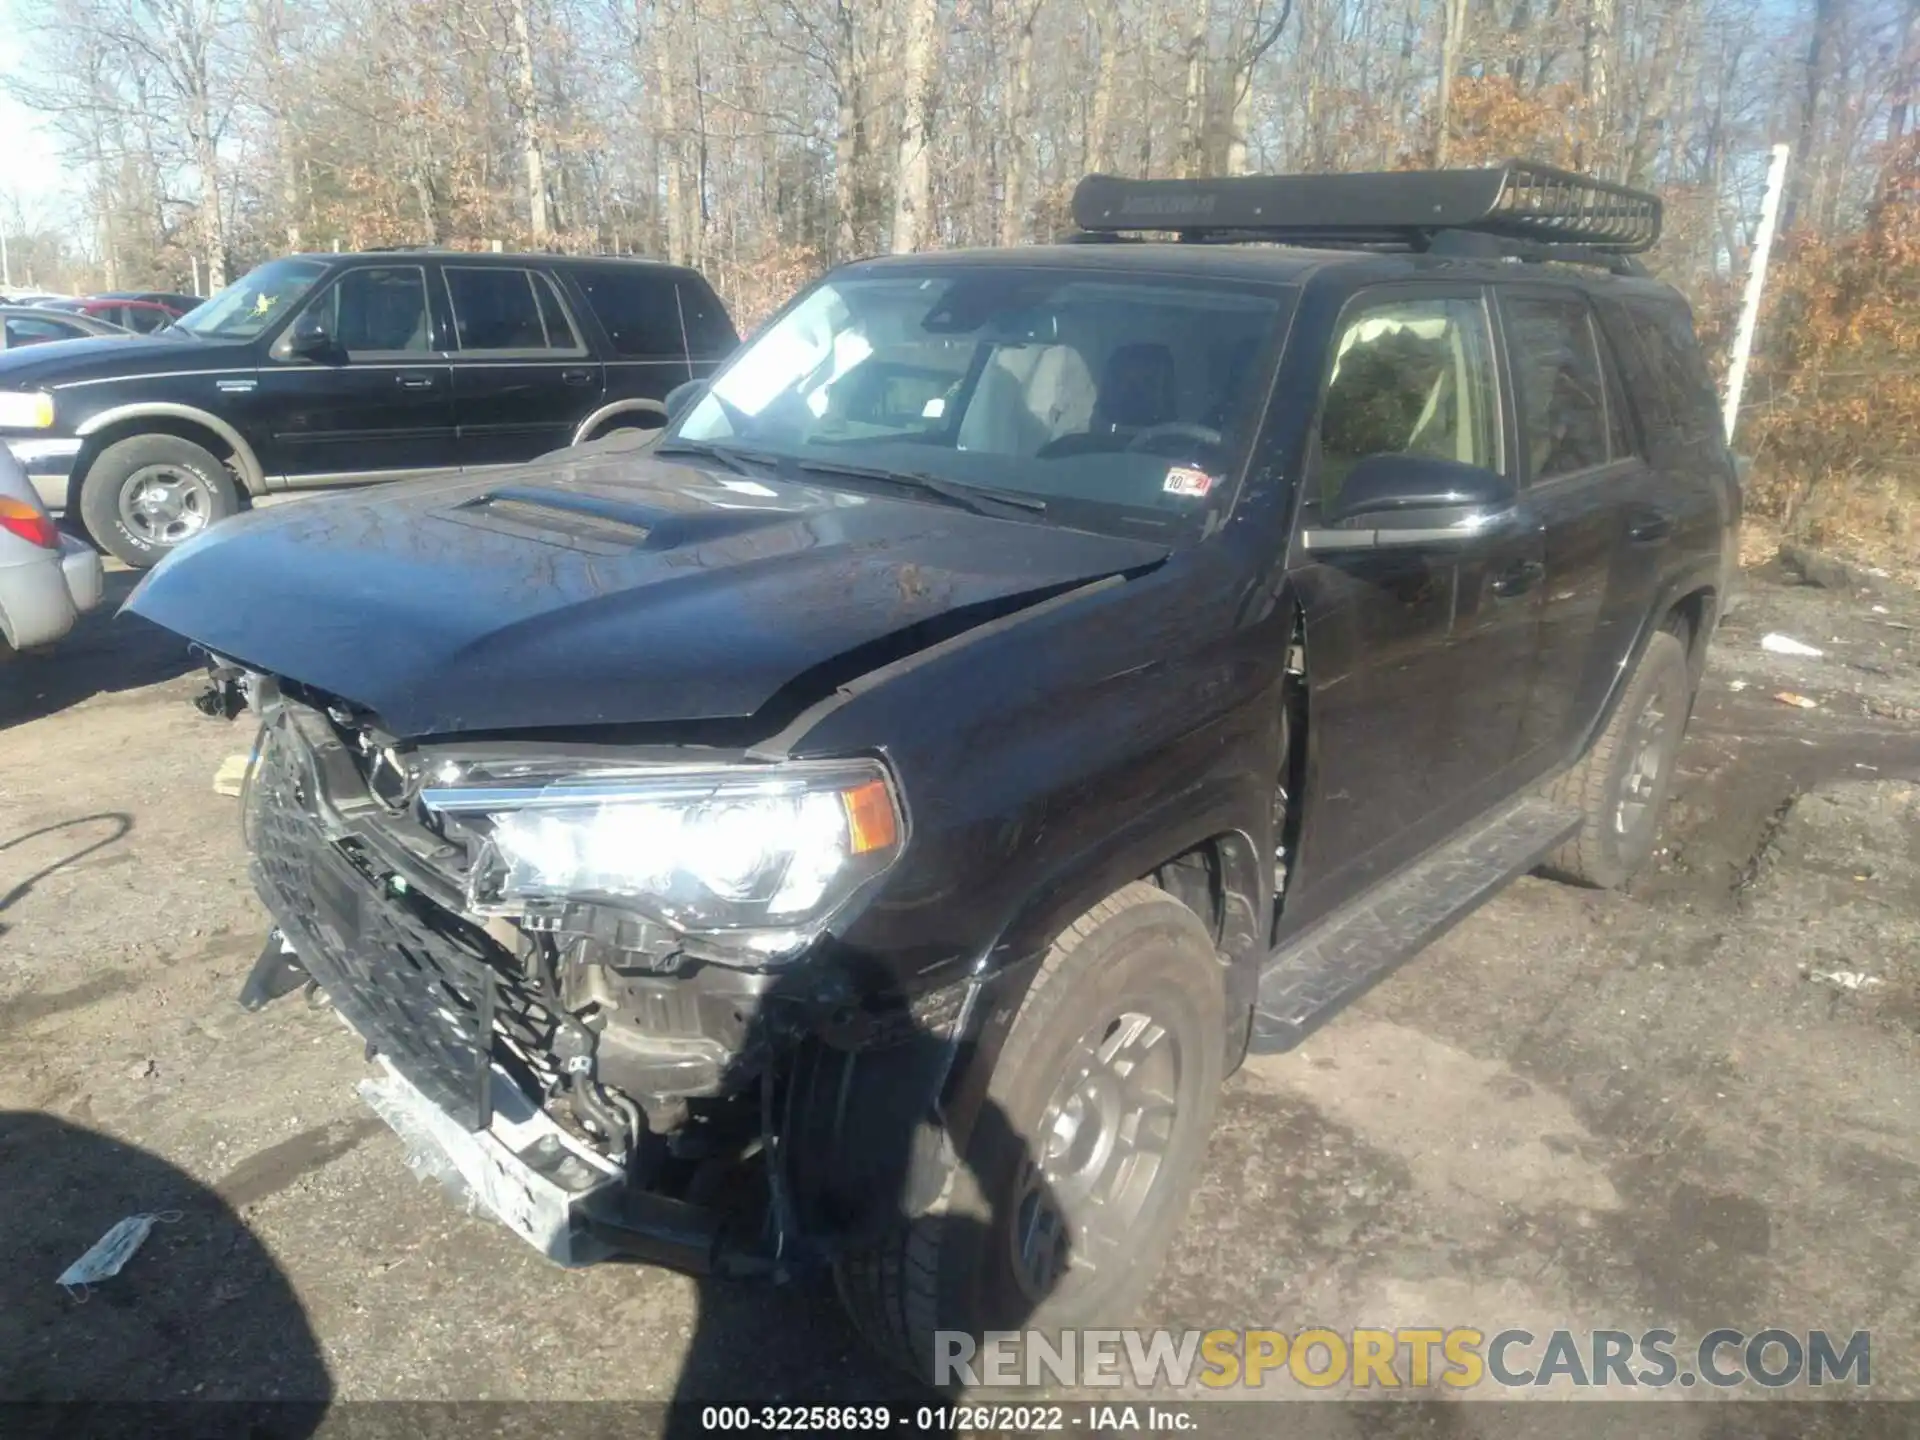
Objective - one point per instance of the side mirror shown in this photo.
(1417, 492)
(309, 338)
(683, 397)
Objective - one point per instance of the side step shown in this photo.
(1308, 979)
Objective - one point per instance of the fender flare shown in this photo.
(245, 461)
(895, 1118)
(1705, 574)
(618, 407)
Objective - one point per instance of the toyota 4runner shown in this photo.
(864, 829)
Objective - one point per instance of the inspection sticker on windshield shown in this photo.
(1185, 480)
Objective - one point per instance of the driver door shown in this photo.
(378, 404)
(1420, 644)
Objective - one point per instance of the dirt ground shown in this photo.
(1695, 1104)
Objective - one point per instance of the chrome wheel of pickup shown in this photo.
(165, 504)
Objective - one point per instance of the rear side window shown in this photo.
(1677, 390)
(496, 308)
(709, 332)
(1411, 376)
(1564, 424)
(638, 309)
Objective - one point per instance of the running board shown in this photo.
(1308, 979)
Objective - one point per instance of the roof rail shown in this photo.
(1519, 202)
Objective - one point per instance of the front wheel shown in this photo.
(1079, 1169)
(147, 494)
(1621, 785)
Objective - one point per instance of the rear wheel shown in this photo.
(1079, 1169)
(147, 494)
(1622, 783)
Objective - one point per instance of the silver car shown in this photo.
(47, 579)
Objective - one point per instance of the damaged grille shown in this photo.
(414, 982)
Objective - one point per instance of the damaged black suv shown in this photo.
(863, 830)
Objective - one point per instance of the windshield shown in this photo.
(253, 302)
(1121, 401)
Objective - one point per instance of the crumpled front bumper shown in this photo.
(524, 1169)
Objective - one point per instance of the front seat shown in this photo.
(1138, 390)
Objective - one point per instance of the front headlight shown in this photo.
(25, 410)
(775, 848)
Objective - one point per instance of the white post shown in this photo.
(195, 261)
(6, 264)
(1756, 282)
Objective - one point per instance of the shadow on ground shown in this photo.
(201, 1312)
(105, 653)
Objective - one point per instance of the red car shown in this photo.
(143, 316)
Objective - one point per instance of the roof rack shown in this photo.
(1532, 211)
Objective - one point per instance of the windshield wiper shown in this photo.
(981, 499)
(733, 457)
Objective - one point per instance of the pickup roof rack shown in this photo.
(1518, 210)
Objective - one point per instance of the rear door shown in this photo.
(377, 405)
(1606, 525)
(1418, 649)
(639, 309)
(523, 379)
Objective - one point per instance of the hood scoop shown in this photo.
(588, 524)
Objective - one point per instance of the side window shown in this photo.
(553, 316)
(495, 308)
(22, 330)
(709, 332)
(1681, 389)
(376, 310)
(139, 317)
(1410, 377)
(638, 309)
(1562, 392)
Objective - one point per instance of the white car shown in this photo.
(47, 579)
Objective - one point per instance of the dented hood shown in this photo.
(602, 589)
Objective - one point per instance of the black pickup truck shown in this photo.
(864, 829)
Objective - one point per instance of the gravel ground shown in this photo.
(1693, 1104)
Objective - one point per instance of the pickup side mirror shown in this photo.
(683, 397)
(309, 338)
(1419, 498)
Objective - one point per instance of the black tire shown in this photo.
(120, 496)
(1621, 784)
(1139, 953)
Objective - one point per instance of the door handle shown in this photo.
(1518, 579)
(577, 377)
(415, 382)
(1649, 525)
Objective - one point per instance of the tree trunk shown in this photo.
(913, 174)
(1801, 177)
(527, 102)
(1106, 20)
(846, 134)
(1194, 122)
(1454, 14)
(1596, 74)
(672, 144)
(1013, 199)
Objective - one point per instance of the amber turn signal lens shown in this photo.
(871, 824)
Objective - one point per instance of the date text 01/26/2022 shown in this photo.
(946, 1419)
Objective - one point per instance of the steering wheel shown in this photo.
(1174, 430)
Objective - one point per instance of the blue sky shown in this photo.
(30, 169)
